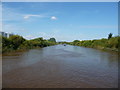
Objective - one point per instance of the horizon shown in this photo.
(65, 21)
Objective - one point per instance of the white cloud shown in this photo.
(53, 18)
(32, 15)
(29, 37)
(11, 14)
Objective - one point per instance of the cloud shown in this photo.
(28, 37)
(12, 14)
(53, 18)
(31, 15)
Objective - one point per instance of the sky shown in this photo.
(65, 21)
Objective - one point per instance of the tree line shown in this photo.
(17, 42)
(110, 43)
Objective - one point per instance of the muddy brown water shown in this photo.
(60, 67)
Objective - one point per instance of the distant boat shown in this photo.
(64, 44)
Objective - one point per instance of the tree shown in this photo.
(76, 42)
(52, 40)
(16, 40)
(110, 35)
(5, 42)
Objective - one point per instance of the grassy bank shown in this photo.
(18, 43)
(104, 44)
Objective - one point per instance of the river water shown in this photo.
(60, 67)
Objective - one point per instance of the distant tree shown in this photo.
(76, 41)
(110, 35)
(52, 40)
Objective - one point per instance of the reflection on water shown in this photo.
(61, 67)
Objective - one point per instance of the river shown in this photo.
(60, 67)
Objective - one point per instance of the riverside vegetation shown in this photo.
(17, 42)
(111, 43)
(106, 44)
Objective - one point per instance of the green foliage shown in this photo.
(6, 44)
(109, 35)
(52, 40)
(26, 45)
(76, 42)
(17, 42)
(0, 43)
(113, 43)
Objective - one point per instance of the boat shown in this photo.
(64, 44)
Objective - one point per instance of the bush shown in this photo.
(112, 43)
(16, 42)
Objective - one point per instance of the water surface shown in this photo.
(61, 67)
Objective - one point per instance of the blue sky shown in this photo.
(65, 21)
